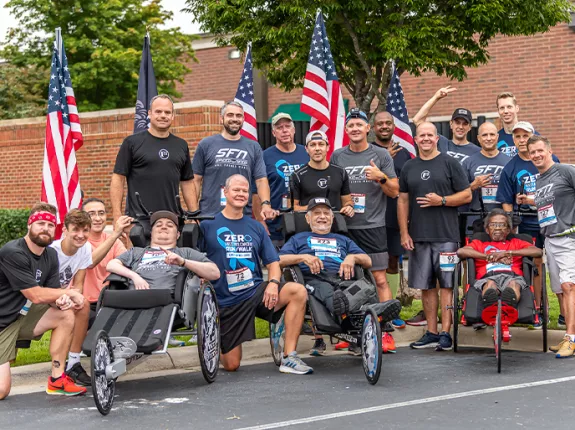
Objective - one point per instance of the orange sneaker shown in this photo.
(388, 343)
(341, 346)
(64, 386)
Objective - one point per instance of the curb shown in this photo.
(186, 358)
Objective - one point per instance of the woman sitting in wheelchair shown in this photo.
(327, 260)
(499, 260)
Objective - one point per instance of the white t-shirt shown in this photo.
(69, 265)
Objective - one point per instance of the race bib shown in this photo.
(222, 197)
(498, 267)
(239, 279)
(358, 203)
(26, 307)
(285, 201)
(546, 216)
(324, 247)
(489, 193)
(448, 261)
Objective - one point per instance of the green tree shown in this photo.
(443, 36)
(103, 41)
(18, 96)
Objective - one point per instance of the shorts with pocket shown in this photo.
(426, 266)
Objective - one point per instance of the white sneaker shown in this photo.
(175, 342)
(293, 364)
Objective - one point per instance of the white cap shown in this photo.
(313, 135)
(524, 125)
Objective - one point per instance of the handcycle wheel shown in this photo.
(544, 305)
(208, 332)
(277, 340)
(371, 346)
(103, 388)
(498, 335)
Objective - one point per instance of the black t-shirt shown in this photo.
(20, 269)
(154, 168)
(332, 183)
(444, 176)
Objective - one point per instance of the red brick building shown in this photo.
(539, 70)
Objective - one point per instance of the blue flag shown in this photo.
(146, 88)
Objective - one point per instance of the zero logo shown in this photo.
(322, 183)
(164, 154)
(425, 175)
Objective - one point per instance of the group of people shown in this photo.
(391, 202)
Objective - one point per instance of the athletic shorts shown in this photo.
(21, 329)
(374, 242)
(535, 234)
(93, 314)
(425, 268)
(560, 252)
(321, 290)
(502, 280)
(237, 323)
(394, 247)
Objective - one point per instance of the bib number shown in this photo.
(546, 216)
(497, 267)
(358, 203)
(285, 201)
(324, 247)
(222, 197)
(239, 279)
(26, 308)
(489, 193)
(448, 261)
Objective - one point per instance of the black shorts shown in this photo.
(237, 323)
(394, 247)
(371, 240)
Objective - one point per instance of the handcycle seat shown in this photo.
(323, 319)
(144, 316)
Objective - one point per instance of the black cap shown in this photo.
(317, 201)
(163, 214)
(462, 113)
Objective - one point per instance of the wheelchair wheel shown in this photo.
(544, 305)
(277, 340)
(208, 332)
(103, 388)
(455, 315)
(498, 336)
(371, 347)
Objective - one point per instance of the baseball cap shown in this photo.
(524, 125)
(462, 113)
(318, 201)
(356, 113)
(281, 115)
(316, 135)
(163, 214)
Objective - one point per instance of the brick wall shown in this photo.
(22, 149)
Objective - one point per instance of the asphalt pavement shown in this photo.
(417, 389)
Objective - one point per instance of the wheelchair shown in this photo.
(469, 309)
(131, 325)
(362, 328)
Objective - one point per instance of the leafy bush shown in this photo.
(13, 224)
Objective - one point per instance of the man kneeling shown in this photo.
(499, 262)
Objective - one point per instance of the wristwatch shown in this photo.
(267, 202)
(183, 264)
(383, 180)
(443, 201)
(274, 281)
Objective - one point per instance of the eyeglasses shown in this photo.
(98, 213)
(497, 225)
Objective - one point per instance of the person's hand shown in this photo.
(443, 92)
(77, 298)
(523, 199)
(122, 225)
(346, 269)
(268, 213)
(483, 180)
(172, 258)
(394, 149)
(372, 173)
(407, 242)
(139, 283)
(430, 199)
(64, 302)
(271, 295)
(314, 263)
(347, 211)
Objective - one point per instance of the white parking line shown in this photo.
(408, 403)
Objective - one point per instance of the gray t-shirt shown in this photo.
(216, 159)
(150, 265)
(480, 165)
(459, 152)
(554, 198)
(369, 199)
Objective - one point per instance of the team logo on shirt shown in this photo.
(232, 157)
(425, 175)
(239, 248)
(356, 173)
(38, 275)
(322, 183)
(164, 154)
(284, 170)
(66, 277)
(458, 156)
(494, 169)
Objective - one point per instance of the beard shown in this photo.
(41, 239)
(230, 130)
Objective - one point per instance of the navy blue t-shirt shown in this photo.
(506, 144)
(519, 176)
(330, 248)
(236, 246)
(279, 167)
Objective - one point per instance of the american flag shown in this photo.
(60, 180)
(245, 96)
(322, 98)
(396, 107)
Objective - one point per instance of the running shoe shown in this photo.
(445, 342)
(276, 333)
(490, 297)
(354, 349)
(538, 323)
(417, 320)
(79, 375)
(508, 296)
(398, 323)
(342, 345)
(293, 364)
(479, 326)
(64, 386)
(567, 349)
(555, 348)
(388, 343)
(175, 342)
(428, 340)
(561, 321)
(319, 347)
(388, 327)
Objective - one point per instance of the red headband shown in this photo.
(42, 216)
